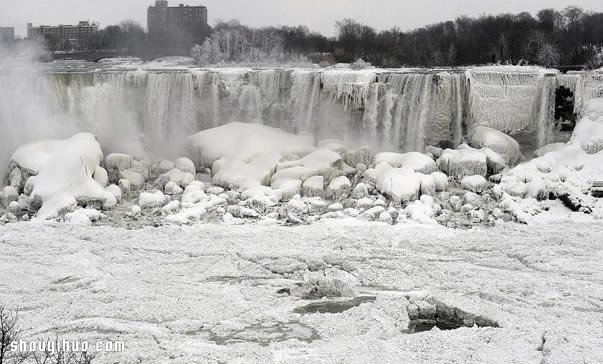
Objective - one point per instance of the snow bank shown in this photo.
(65, 171)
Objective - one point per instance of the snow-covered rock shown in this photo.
(163, 166)
(172, 188)
(363, 155)
(400, 184)
(101, 176)
(124, 186)
(441, 181)
(14, 207)
(423, 211)
(467, 161)
(414, 161)
(588, 133)
(314, 187)
(497, 141)
(340, 188)
(239, 154)
(65, 169)
(185, 165)
(476, 184)
(335, 207)
(360, 191)
(8, 195)
(172, 207)
(135, 179)
(151, 200)
(365, 203)
(115, 191)
(177, 176)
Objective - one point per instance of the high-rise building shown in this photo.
(183, 19)
(66, 35)
(7, 34)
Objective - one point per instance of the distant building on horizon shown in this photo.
(164, 20)
(7, 34)
(62, 36)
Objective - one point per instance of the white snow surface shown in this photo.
(207, 293)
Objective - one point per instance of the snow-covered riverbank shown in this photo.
(206, 293)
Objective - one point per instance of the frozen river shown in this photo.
(210, 293)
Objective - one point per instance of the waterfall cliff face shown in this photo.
(403, 110)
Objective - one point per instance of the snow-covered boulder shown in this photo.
(162, 166)
(476, 184)
(588, 133)
(501, 143)
(65, 169)
(15, 178)
(467, 161)
(115, 191)
(339, 188)
(101, 176)
(185, 165)
(364, 156)
(314, 187)
(245, 155)
(8, 195)
(415, 161)
(365, 203)
(441, 181)
(360, 191)
(171, 208)
(152, 200)
(172, 188)
(118, 161)
(135, 179)
(335, 207)
(287, 187)
(176, 176)
(423, 211)
(14, 207)
(400, 184)
(297, 207)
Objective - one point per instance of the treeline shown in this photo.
(551, 38)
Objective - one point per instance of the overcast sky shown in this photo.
(319, 15)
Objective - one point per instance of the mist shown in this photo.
(26, 114)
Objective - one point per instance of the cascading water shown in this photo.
(403, 110)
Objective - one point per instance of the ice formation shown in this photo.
(340, 141)
(62, 172)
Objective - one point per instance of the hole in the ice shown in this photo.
(338, 306)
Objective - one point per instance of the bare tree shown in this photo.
(9, 335)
